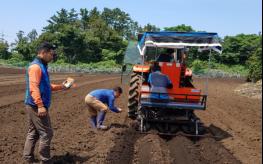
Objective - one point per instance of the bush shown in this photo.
(16, 60)
(101, 67)
(255, 66)
(214, 69)
(199, 66)
(108, 55)
(17, 56)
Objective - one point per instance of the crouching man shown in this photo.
(98, 102)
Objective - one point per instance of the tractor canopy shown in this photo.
(177, 40)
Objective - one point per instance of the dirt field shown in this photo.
(236, 118)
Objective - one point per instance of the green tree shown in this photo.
(23, 46)
(4, 54)
(120, 21)
(254, 63)
(82, 38)
(237, 49)
(180, 28)
(84, 18)
(62, 17)
(64, 30)
(32, 36)
(149, 27)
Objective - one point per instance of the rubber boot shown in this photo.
(93, 121)
(101, 117)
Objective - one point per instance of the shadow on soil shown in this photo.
(209, 132)
(117, 125)
(218, 132)
(69, 159)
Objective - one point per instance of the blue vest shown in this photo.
(44, 86)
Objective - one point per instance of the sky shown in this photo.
(226, 17)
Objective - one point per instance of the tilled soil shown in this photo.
(237, 120)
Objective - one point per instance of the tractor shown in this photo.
(176, 113)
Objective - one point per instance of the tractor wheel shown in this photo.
(134, 74)
(133, 95)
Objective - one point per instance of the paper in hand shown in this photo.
(69, 82)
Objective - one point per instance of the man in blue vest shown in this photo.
(37, 100)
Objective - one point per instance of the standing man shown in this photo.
(37, 100)
(98, 102)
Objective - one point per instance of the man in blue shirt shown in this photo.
(98, 102)
(159, 83)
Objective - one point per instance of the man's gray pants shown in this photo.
(39, 129)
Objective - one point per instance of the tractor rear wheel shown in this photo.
(133, 98)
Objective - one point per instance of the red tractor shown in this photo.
(168, 50)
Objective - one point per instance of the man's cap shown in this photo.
(46, 46)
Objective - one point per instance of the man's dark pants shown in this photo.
(39, 129)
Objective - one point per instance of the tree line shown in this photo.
(91, 36)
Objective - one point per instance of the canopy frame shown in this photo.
(176, 40)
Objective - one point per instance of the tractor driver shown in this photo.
(188, 72)
(168, 57)
(159, 83)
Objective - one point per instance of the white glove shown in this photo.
(68, 83)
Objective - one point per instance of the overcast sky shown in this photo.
(226, 17)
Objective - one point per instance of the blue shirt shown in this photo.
(159, 82)
(106, 96)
